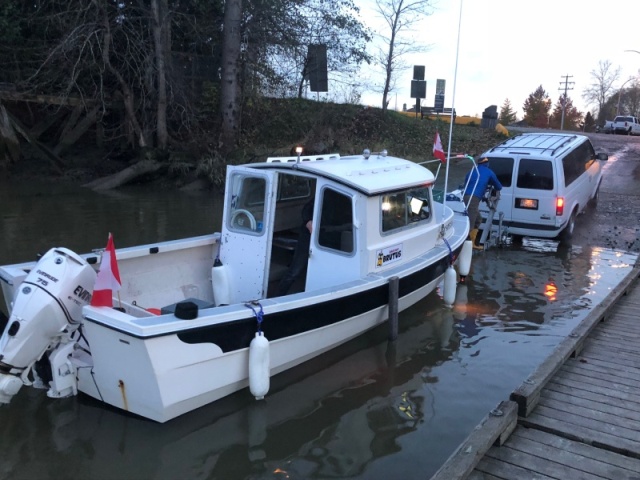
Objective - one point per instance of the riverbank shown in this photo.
(272, 128)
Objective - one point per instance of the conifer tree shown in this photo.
(507, 114)
(537, 108)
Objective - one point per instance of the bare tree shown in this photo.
(231, 65)
(160, 11)
(400, 16)
(603, 79)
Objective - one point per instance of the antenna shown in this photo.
(453, 102)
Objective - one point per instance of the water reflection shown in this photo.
(369, 409)
(331, 417)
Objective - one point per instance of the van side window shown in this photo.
(535, 174)
(577, 162)
(503, 168)
(336, 221)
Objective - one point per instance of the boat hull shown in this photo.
(166, 375)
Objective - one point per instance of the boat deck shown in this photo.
(577, 416)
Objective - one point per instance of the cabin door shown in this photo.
(333, 257)
(247, 231)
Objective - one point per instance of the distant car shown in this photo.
(627, 125)
(606, 128)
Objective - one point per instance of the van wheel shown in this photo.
(567, 234)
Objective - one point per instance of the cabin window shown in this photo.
(248, 195)
(405, 208)
(293, 187)
(336, 221)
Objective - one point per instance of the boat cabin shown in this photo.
(369, 212)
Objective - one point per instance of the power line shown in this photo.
(567, 86)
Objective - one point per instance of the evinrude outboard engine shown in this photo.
(46, 311)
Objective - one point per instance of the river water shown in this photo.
(367, 410)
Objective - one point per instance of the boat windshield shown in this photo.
(405, 209)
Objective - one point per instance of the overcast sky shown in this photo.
(507, 48)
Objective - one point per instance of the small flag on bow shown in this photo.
(438, 151)
(108, 279)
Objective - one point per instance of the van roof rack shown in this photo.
(548, 143)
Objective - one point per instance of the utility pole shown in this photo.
(567, 86)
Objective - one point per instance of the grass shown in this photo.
(274, 127)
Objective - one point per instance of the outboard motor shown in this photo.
(47, 307)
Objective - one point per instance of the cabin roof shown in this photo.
(373, 175)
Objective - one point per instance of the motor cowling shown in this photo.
(48, 303)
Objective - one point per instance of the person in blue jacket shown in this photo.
(475, 192)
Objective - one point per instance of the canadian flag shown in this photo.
(438, 151)
(108, 279)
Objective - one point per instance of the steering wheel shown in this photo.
(240, 218)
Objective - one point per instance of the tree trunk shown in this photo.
(9, 143)
(125, 176)
(389, 66)
(127, 94)
(160, 12)
(74, 131)
(230, 88)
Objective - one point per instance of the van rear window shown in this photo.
(535, 174)
(503, 168)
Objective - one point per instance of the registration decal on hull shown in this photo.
(388, 255)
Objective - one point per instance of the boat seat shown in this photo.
(286, 242)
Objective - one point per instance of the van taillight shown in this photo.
(559, 206)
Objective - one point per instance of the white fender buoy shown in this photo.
(220, 283)
(464, 260)
(449, 294)
(259, 368)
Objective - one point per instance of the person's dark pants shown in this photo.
(298, 264)
(473, 210)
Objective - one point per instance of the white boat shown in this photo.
(200, 318)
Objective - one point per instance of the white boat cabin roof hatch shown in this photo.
(357, 204)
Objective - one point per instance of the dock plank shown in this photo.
(582, 369)
(559, 424)
(612, 385)
(587, 395)
(593, 412)
(581, 401)
(489, 468)
(594, 358)
(553, 466)
(579, 464)
(617, 460)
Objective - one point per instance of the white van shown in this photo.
(547, 179)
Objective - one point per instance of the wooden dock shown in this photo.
(577, 416)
